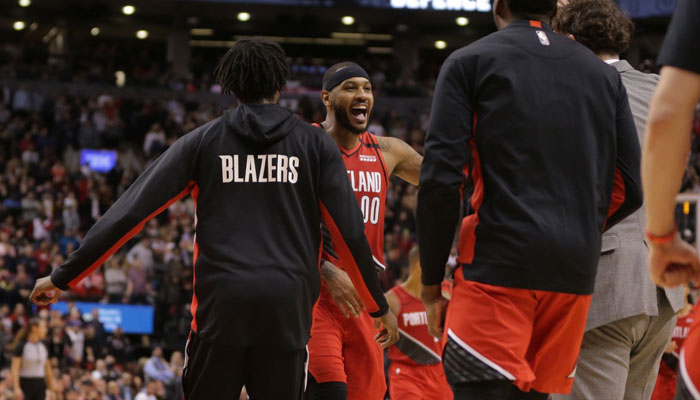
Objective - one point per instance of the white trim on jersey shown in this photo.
(686, 378)
(380, 265)
(418, 342)
(306, 368)
(481, 357)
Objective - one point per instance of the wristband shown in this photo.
(661, 239)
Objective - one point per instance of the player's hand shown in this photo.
(44, 292)
(673, 263)
(435, 308)
(18, 395)
(390, 332)
(342, 290)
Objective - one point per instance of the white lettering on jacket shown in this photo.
(265, 168)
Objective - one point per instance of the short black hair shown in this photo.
(532, 8)
(253, 70)
(599, 25)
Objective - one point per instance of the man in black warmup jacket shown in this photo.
(262, 181)
(544, 131)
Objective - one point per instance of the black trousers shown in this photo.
(33, 388)
(219, 372)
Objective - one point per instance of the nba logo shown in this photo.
(544, 40)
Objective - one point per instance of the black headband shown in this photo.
(343, 73)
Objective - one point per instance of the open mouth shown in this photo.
(360, 112)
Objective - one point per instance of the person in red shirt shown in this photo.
(416, 370)
(345, 361)
(665, 387)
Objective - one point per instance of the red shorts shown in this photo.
(344, 350)
(531, 337)
(689, 368)
(418, 382)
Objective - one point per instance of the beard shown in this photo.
(342, 117)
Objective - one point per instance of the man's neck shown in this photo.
(343, 137)
(413, 284)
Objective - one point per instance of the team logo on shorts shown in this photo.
(544, 40)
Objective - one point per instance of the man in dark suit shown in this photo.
(630, 320)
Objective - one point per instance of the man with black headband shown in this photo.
(262, 182)
(345, 360)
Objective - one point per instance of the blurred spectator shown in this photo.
(32, 374)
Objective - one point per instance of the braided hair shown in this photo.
(253, 70)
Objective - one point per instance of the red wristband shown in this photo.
(661, 239)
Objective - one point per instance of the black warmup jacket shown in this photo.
(543, 130)
(263, 181)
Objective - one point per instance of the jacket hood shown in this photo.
(261, 123)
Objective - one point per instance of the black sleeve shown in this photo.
(165, 181)
(18, 351)
(627, 194)
(681, 47)
(343, 218)
(442, 172)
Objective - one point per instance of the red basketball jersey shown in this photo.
(369, 179)
(415, 345)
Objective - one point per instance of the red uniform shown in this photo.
(343, 349)
(416, 366)
(665, 387)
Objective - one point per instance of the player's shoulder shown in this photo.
(388, 144)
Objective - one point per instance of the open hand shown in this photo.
(435, 309)
(390, 332)
(342, 290)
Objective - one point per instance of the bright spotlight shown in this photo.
(95, 31)
(347, 20)
(18, 25)
(243, 16)
(462, 21)
(128, 10)
(24, 3)
(142, 34)
(440, 44)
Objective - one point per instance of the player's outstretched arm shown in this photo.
(166, 180)
(672, 262)
(402, 159)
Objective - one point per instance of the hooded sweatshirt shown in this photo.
(262, 182)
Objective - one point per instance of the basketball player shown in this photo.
(545, 132)
(262, 181)
(416, 370)
(345, 361)
(672, 261)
